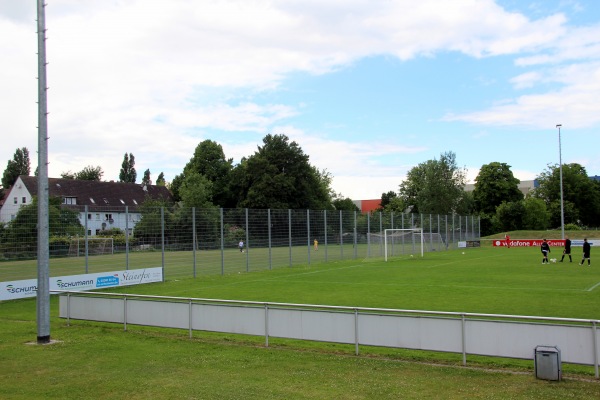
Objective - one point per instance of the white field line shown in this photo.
(594, 287)
(447, 286)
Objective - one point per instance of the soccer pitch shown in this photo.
(476, 280)
(101, 360)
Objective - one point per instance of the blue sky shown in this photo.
(368, 88)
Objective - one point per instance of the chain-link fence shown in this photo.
(190, 242)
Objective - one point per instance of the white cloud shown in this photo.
(153, 77)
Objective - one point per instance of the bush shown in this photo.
(572, 227)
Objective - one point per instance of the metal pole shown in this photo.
(43, 251)
(247, 243)
(126, 236)
(308, 235)
(162, 239)
(290, 236)
(194, 243)
(562, 208)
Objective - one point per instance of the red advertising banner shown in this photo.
(529, 242)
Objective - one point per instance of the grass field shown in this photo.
(94, 360)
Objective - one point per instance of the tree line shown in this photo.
(279, 175)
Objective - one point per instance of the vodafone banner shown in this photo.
(538, 242)
(28, 288)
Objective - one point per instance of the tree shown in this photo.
(387, 198)
(209, 160)
(435, 186)
(196, 191)
(509, 216)
(495, 184)
(19, 165)
(128, 173)
(581, 195)
(20, 234)
(391, 202)
(89, 173)
(344, 204)
(146, 179)
(536, 215)
(279, 176)
(160, 181)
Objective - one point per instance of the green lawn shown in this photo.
(95, 360)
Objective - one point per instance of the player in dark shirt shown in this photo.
(545, 250)
(567, 250)
(586, 251)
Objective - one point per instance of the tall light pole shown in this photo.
(562, 207)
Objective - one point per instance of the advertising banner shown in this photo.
(28, 288)
(538, 242)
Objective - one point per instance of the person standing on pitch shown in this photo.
(241, 246)
(567, 250)
(586, 252)
(316, 244)
(507, 240)
(545, 250)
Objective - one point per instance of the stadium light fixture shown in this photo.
(562, 207)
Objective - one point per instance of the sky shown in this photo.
(367, 88)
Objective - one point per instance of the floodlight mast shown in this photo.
(562, 207)
(43, 252)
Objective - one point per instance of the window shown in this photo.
(16, 201)
(24, 200)
(92, 200)
(108, 217)
(97, 232)
(89, 216)
(121, 200)
(69, 200)
(97, 217)
(89, 232)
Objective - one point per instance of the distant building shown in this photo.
(109, 204)
(367, 205)
(524, 186)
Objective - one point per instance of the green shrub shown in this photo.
(572, 227)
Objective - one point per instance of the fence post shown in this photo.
(266, 325)
(126, 238)
(595, 347)
(308, 235)
(194, 239)
(356, 338)
(325, 227)
(355, 237)
(270, 243)
(190, 316)
(162, 238)
(341, 236)
(247, 243)
(290, 236)
(464, 340)
(222, 244)
(85, 240)
(369, 234)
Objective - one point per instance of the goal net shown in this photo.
(398, 242)
(95, 246)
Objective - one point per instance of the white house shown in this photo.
(108, 204)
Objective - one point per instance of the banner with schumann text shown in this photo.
(28, 288)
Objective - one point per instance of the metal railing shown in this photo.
(511, 336)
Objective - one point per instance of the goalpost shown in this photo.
(96, 246)
(402, 237)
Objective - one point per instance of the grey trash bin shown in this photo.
(547, 363)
